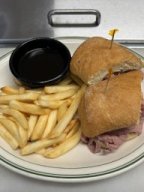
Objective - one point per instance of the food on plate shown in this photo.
(55, 89)
(62, 124)
(59, 96)
(93, 58)
(110, 118)
(5, 134)
(11, 90)
(64, 147)
(31, 96)
(10, 126)
(41, 121)
(55, 104)
(40, 144)
(20, 117)
(51, 123)
(28, 108)
(62, 110)
(103, 86)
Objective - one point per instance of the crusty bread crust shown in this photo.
(118, 107)
(92, 60)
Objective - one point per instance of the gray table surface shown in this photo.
(130, 181)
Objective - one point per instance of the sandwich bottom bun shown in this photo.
(119, 106)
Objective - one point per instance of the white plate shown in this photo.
(79, 165)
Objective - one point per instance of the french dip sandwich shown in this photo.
(93, 58)
(111, 116)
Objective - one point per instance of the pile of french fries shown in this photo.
(42, 121)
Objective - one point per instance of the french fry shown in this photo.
(38, 145)
(62, 110)
(52, 119)
(64, 147)
(18, 116)
(31, 96)
(2, 116)
(4, 133)
(39, 127)
(41, 121)
(22, 90)
(52, 104)
(59, 96)
(9, 90)
(2, 107)
(62, 124)
(11, 127)
(31, 122)
(70, 126)
(66, 81)
(39, 91)
(23, 136)
(59, 88)
(73, 130)
(41, 151)
(28, 108)
(2, 93)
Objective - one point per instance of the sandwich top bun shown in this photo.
(92, 60)
(118, 107)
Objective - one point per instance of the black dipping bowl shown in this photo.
(39, 62)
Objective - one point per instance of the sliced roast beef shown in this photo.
(111, 141)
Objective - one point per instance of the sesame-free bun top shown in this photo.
(93, 58)
(119, 106)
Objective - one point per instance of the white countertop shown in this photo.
(132, 180)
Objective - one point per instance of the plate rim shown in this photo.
(77, 179)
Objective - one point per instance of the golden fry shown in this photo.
(62, 110)
(38, 145)
(11, 127)
(52, 119)
(2, 107)
(68, 115)
(39, 127)
(10, 90)
(41, 151)
(31, 122)
(65, 81)
(52, 104)
(59, 88)
(22, 90)
(31, 96)
(64, 147)
(41, 121)
(59, 96)
(70, 126)
(21, 119)
(23, 136)
(28, 108)
(73, 130)
(8, 137)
